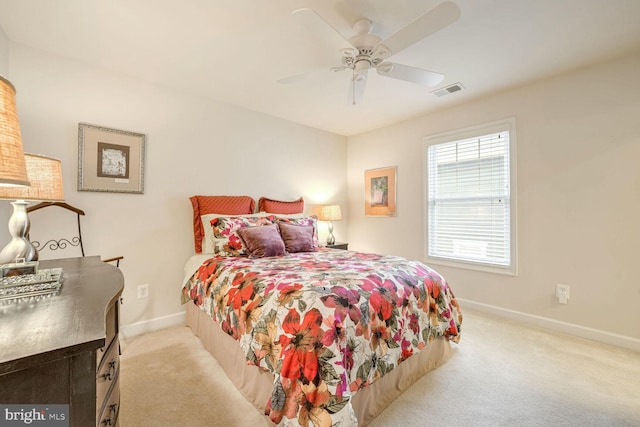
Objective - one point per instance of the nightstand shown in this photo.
(338, 245)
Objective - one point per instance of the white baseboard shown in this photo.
(153, 324)
(543, 322)
(556, 325)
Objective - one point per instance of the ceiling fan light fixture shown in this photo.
(362, 65)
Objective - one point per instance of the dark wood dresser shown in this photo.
(64, 349)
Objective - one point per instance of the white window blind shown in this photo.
(469, 204)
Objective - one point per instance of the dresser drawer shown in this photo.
(111, 330)
(111, 322)
(108, 416)
(107, 374)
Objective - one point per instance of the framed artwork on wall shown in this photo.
(110, 160)
(380, 191)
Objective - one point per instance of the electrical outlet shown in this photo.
(143, 291)
(562, 293)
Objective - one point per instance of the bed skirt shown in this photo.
(256, 384)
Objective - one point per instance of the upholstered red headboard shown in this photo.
(280, 207)
(224, 205)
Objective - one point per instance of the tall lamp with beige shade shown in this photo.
(13, 170)
(329, 213)
(45, 176)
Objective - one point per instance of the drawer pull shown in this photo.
(109, 374)
(113, 409)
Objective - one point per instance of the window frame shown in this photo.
(509, 125)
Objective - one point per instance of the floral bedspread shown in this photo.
(325, 323)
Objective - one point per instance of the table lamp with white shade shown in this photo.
(329, 213)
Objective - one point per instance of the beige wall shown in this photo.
(578, 181)
(4, 54)
(578, 151)
(194, 146)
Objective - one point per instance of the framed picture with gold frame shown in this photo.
(110, 160)
(380, 191)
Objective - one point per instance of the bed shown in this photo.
(309, 335)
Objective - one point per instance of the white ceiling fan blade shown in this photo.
(308, 18)
(356, 87)
(410, 74)
(436, 19)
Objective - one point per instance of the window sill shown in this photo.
(507, 271)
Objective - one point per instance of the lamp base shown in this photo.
(330, 238)
(19, 247)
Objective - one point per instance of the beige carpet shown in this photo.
(503, 374)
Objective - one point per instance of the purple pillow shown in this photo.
(262, 241)
(297, 238)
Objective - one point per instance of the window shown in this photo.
(470, 205)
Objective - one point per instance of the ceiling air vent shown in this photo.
(449, 89)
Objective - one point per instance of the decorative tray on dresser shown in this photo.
(62, 349)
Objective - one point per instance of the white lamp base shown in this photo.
(330, 238)
(19, 247)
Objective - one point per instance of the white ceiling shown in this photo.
(236, 50)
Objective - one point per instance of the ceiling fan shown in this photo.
(365, 51)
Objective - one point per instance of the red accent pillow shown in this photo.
(224, 205)
(280, 207)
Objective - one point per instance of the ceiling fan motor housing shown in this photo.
(365, 42)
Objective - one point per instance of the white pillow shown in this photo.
(208, 241)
